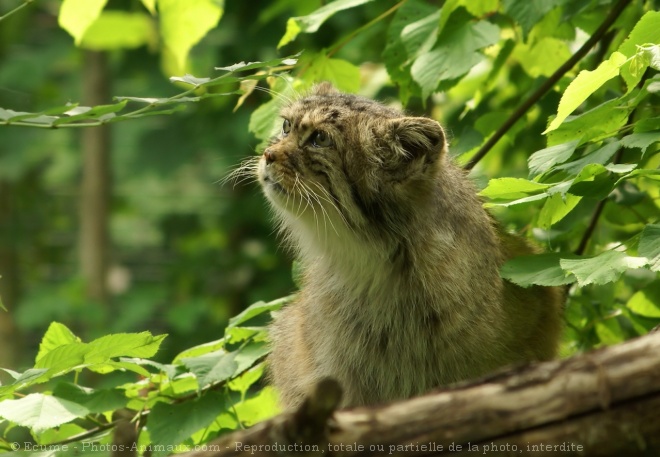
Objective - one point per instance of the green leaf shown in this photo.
(56, 435)
(543, 160)
(430, 69)
(141, 345)
(96, 401)
(395, 55)
(257, 309)
(84, 113)
(528, 12)
(169, 370)
(482, 7)
(183, 23)
(653, 55)
(248, 355)
(201, 349)
(598, 123)
(211, 368)
(63, 358)
(541, 270)
(47, 116)
(419, 36)
(543, 57)
(160, 101)
(649, 245)
(12, 373)
(110, 366)
(556, 208)
(645, 31)
(448, 8)
(9, 116)
(454, 54)
(265, 120)
(609, 331)
(512, 188)
(653, 174)
(28, 377)
(57, 335)
(312, 22)
(76, 16)
(190, 79)
(171, 424)
(647, 125)
(646, 302)
(596, 180)
(98, 353)
(235, 335)
(243, 66)
(343, 74)
(258, 408)
(600, 156)
(520, 201)
(640, 140)
(40, 412)
(243, 382)
(638, 64)
(150, 5)
(119, 30)
(602, 268)
(586, 83)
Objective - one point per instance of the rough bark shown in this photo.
(95, 188)
(600, 403)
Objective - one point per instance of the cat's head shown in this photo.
(350, 161)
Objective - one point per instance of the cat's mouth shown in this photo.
(277, 187)
(270, 184)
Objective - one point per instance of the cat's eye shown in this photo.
(320, 139)
(286, 127)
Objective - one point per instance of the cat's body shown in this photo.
(401, 287)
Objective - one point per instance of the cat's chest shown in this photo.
(375, 324)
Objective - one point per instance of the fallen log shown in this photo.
(602, 403)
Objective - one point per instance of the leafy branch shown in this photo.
(16, 9)
(75, 116)
(547, 85)
(231, 363)
(341, 43)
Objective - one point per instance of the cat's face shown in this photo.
(348, 160)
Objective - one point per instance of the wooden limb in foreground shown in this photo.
(605, 402)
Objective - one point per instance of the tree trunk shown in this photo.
(603, 403)
(9, 280)
(95, 189)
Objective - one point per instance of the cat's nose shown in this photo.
(269, 155)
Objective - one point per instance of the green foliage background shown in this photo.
(577, 172)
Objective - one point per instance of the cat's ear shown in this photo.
(324, 88)
(416, 137)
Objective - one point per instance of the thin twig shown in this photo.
(591, 227)
(586, 236)
(549, 83)
(87, 434)
(359, 30)
(15, 10)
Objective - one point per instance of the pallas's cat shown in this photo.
(401, 286)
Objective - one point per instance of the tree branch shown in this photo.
(600, 403)
(549, 83)
(16, 10)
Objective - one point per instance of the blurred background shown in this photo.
(128, 227)
(173, 251)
